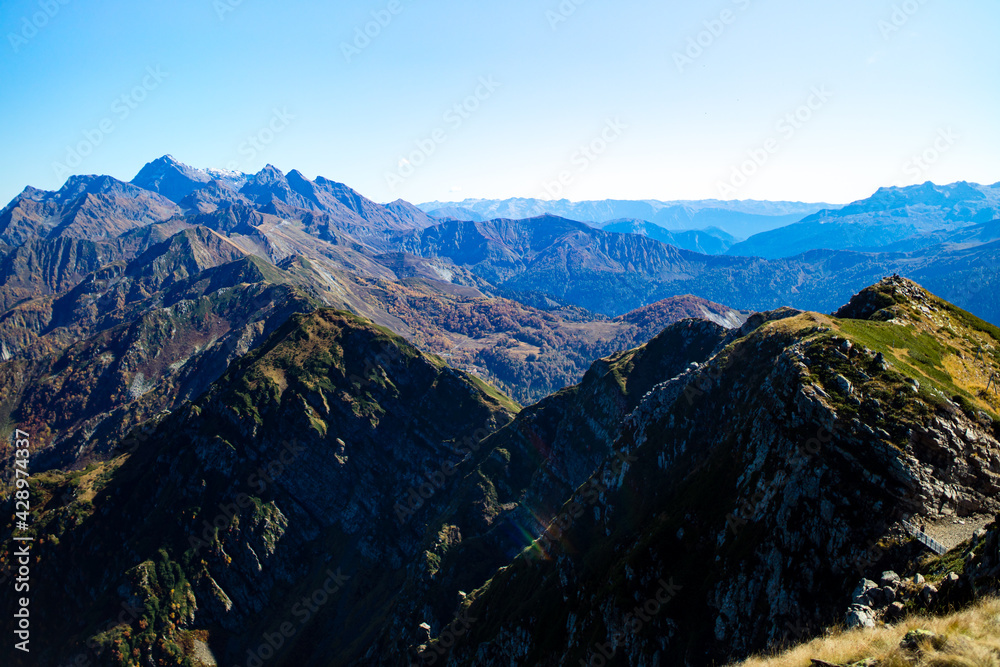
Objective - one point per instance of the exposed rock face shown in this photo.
(859, 617)
(40, 268)
(278, 483)
(134, 338)
(94, 208)
(345, 206)
(706, 495)
(171, 179)
(541, 459)
(804, 481)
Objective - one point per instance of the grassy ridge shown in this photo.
(970, 638)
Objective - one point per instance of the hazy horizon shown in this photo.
(577, 100)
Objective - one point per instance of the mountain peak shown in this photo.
(878, 301)
(270, 172)
(170, 178)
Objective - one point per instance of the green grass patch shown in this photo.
(924, 358)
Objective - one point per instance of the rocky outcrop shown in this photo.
(93, 208)
(541, 459)
(271, 498)
(814, 449)
(702, 497)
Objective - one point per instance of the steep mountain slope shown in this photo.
(408, 213)
(134, 339)
(889, 216)
(87, 207)
(273, 192)
(680, 308)
(168, 177)
(338, 498)
(48, 267)
(525, 351)
(115, 293)
(350, 210)
(570, 260)
(614, 273)
(307, 441)
(212, 197)
(537, 461)
(753, 489)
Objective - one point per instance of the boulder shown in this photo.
(881, 362)
(875, 599)
(860, 596)
(843, 385)
(859, 616)
(915, 638)
(895, 612)
(889, 578)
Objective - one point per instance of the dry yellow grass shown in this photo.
(971, 639)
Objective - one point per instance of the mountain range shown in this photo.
(738, 218)
(724, 485)
(888, 218)
(896, 218)
(612, 273)
(275, 422)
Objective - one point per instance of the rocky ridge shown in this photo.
(805, 477)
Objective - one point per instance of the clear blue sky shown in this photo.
(932, 78)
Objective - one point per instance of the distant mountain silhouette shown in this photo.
(888, 217)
